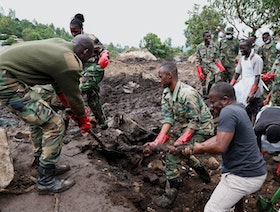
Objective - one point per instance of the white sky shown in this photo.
(123, 22)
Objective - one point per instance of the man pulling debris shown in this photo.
(51, 61)
(181, 103)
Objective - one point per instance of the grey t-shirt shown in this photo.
(243, 157)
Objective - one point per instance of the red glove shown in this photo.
(268, 76)
(74, 117)
(186, 137)
(278, 170)
(63, 100)
(160, 139)
(103, 59)
(220, 66)
(200, 73)
(253, 90)
(84, 124)
(232, 82)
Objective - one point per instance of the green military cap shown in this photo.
(229, 30)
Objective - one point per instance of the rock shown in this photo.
(212, 163)
(136, 54)
(6, 162)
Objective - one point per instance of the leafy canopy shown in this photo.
(200, 21)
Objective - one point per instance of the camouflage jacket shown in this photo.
(206, 55)
(186, 106)
(228, 51)
(268, 53)
(275, 97)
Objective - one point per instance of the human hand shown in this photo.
(103, 59)
(199, 72)
(220, 66)
(186, 137)
(188, 150)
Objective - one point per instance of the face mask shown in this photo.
(278, 46)
(267, 41)
(229, 36)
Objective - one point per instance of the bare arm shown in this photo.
(215, 145)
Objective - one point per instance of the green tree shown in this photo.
(199, 21)
(12, 26)
(254, 14)
(161, 50)
(114, 50)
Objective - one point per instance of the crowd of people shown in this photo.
(35, 74)
(234, 85)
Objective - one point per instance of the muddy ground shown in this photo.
(117, 176)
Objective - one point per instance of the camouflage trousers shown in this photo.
(172, 162)
(46, 126)
(93, 100)
(212, 75)
(228, 73)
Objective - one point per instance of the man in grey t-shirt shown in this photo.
(244, 169)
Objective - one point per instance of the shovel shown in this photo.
(267, 206)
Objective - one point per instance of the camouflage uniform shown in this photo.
(187, 107)
(207, 57)
(275, 97)
(268, 53)
(22, 66)
(92, 76)
(229, 49)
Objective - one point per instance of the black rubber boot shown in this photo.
(59, 169)
(202, 173)
(170, 195)
(48, 183)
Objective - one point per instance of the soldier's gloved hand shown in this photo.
(268, 76)
(84, 124)
(160, 139)
(186, 137)
(63, 100)
(278, 170)
(220, 66)
(199, 72)
(103, 59)
(74, 117)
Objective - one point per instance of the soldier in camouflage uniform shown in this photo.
(229, 48)
(268, 53)
(52, 61)
(208, 64)
(181, 103)
(93, 72)
(274, 96)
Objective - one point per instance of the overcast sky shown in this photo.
(123, 22)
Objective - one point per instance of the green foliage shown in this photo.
(161, 50)
(9, 41)
(200, 21)
(9, 25)
(115, 50)
(254, 14)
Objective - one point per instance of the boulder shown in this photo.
(6, 162)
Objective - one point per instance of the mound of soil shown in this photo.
(109, 168)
